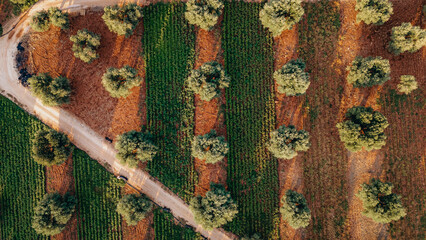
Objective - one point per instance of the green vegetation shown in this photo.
(134, 147)
(369, 71)
(22, 181)
(51, 91)
(85, 45)
(210, 147)
(208, 80)
(253, 237)
(22, 5)
(407, 38)
(40, 21)
(119, 81)
(295, 209)
(373, 11)
(98, 192)
(215, 209)
(292, 78)
(363, 128)
(280, 15)
(166, 229)
(122, 20)
(50, 147)
(285, 142)
(380, 204)
(203, 13)
(134, 208)
(169, 54)
(52, 213)
(252, 175)
(407, 84)
(58, 18)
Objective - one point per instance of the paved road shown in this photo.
(80, 134)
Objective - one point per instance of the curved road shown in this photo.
(80, 134)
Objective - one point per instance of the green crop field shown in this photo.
(250, 116)
(166, 229)
(22, 181)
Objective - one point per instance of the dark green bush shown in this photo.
(203, 13)
(40, 21)
(285, 142)
(380, 204)
(52, 213)
(50, 147)
(122, 20)
(1, 30)
(119, 81)
(407, 38)
(280, 15)
(373, 11)
(292, 78)
(22, 5)
(295, 209)
(58, 18)
(134, 208)
(407, 84)
(369, 71)
(209, 147)
(363, 127)
(85, 45)
(135, 146)
(52, 92)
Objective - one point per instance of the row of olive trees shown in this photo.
(41, 20)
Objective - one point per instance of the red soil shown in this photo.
(5, 11)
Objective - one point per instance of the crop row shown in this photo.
(250, 116)
(166, 228)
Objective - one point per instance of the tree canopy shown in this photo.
(280, 15)
(407, 38)
(292, 78)
(285, 142)
(363, 127)
(373, 11)
(50, 147)
(203, 13)
(215, 209)
(135, 146)
(52, 92)
(295, 209)
(52, 213)
(40, 21)
(134, 208)
(122, 20)
(119, 81)
(208, 80)
(209, 147)
(85, 45)
(58, 18)
(407, 84)
(369, 71)
(380, 204)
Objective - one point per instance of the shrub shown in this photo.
(58, 18)
(119, 81)
(52, 213)
(203, 13)
(369, 71)
(373, 11)
(209, 147)
(1, 30)
(285, 142)
(85, 45)
(280, 15)
(50, 147)
(52, 92)
(407, 84)
(40, 22)
(291, 78)
(363, 127)
(134, 208)
(122, 20)
(22, 5)
(407, 38)
(215, 209)
(295, 209)
(135, 146)
(380, 204)
(208, 80)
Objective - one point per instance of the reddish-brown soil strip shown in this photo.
(5, 11)
(207, 114)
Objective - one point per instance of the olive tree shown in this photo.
(363, 127)
(209, 147)
(58, 18)
(203, 13)
(52, 213)
(215, 209)
(85, 45)
(407, 84)
(40, 21)
(122, 20)
(50, 147)
(280, 15)
(134, 208)
(292, 78)
(1, 29)
(208, 80)
(119, 81)
(295, 209)
(369, 71)
(135, 146)
(23, 4)
(407, 38)
(285, 142)
(373, 11)
(51, 91)
(380, 204)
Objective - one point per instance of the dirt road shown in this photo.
(80, 134)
